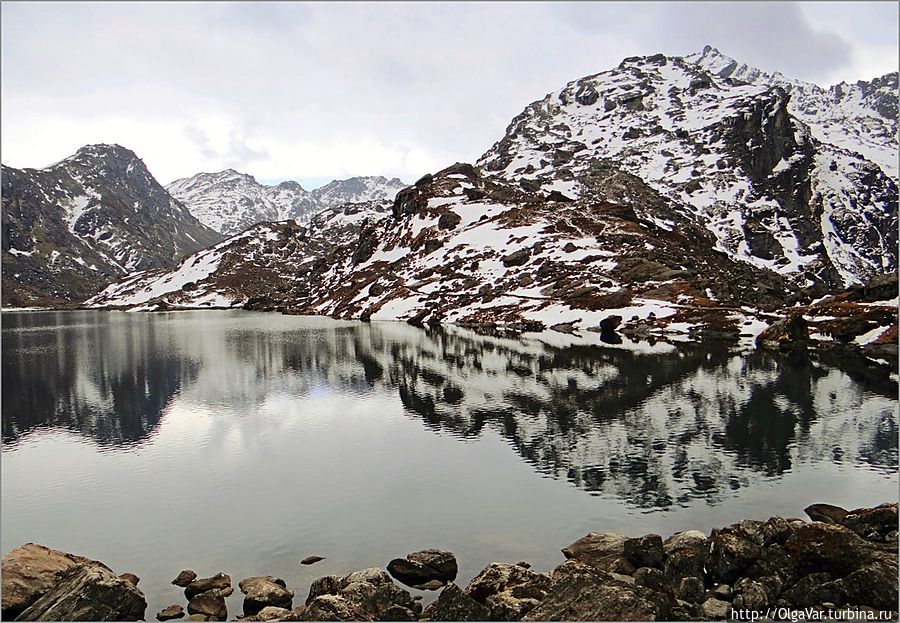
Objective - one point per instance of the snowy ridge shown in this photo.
(731, 152)
(229, 201)
(860, 117)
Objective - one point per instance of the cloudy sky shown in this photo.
(319, 91)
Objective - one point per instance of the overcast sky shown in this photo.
(319, 91)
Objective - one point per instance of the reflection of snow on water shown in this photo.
(241, 442)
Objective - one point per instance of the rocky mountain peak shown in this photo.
(72, 227)
(772, 167)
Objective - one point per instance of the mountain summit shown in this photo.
(96, 216)
(785, 175)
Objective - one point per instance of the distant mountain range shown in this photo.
(691, 195)
(95, 217)
(230, 202)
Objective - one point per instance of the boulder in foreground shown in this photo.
(40, 583)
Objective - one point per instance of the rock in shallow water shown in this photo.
(420, 568)
(170, 612)
(600, 550)
(184, 578)
(211, 603)
(220, 581)
(311, 560)
(266, 590)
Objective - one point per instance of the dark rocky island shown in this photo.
(840, 561)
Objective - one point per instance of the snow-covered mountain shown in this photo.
(230, 202)
(860, 117)
(358, 190)
(758, 176)
(657, 195)
(73, 227)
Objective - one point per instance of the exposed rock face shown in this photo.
(87, 592)
(263, 591)
(645, 551)
(792, 331)
(422, 567)
(76, 226)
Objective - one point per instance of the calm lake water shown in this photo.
(243, 442)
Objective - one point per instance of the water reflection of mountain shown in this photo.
(653, 428)
(108, 381)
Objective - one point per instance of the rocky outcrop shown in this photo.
(76, 226)
(87, 592)
(65, 585)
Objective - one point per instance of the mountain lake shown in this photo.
(242, 442)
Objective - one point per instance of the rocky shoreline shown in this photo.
(839, 561)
